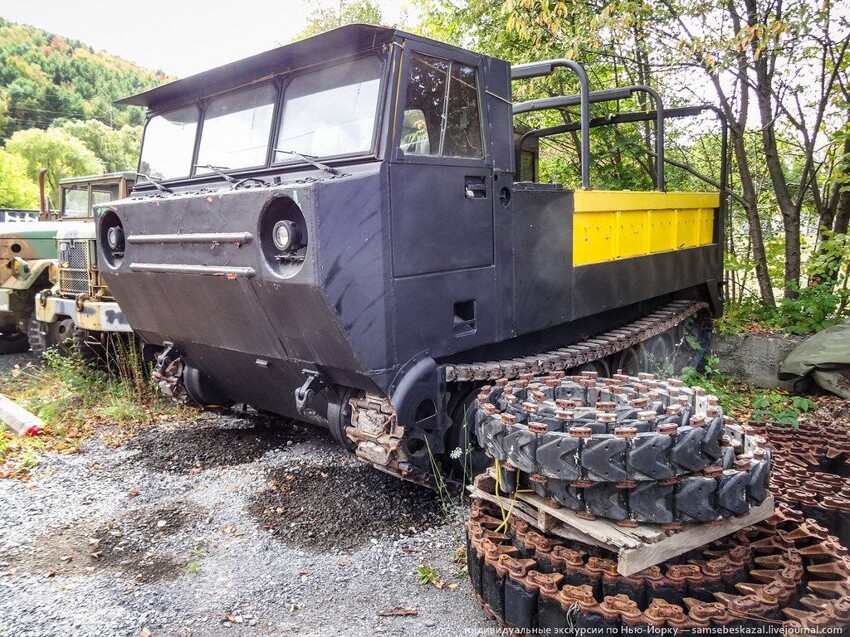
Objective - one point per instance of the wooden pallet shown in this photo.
(637, 547)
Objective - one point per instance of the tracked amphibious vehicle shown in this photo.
(339, 231)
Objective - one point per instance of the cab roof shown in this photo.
(341, 42)
(345, 40)
(95, 179)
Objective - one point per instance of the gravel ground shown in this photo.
(229, 526)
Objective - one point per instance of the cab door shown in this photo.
(442, 211)
(441, 185)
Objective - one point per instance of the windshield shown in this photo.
(236, 130)
(76, 199)
(169, 144)
(76, 204)
(331, 111)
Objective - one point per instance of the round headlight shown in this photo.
(115, 239)
(285, 235)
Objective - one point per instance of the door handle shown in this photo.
(475, 187)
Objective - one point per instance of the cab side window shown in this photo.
(441, 116)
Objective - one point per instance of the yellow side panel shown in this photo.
(706, 226)
(594, 238)
(616, 225)
(662, 231)
(687, 228)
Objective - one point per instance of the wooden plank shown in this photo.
(690, 537)
(545, 521)
(17, 418)
(527, 513)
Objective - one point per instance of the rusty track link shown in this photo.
(587, 351)
(786, 572)
(812, 470)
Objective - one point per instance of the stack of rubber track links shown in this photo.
(637, 453)
(811, 470)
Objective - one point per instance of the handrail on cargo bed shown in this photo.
(671, 113)
(584, 99)
(547, 67)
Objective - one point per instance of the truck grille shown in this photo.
(74, 268)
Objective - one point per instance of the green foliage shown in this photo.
(814, 309)
(17, 189)
(325, 18)
(823, 303)
(746, 403)
(72, 398)
(196, 558)
(46, 77)
(117, 149)
(57, 151)
(425, 575)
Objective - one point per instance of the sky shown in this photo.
(179, 37)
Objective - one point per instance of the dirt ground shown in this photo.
(230, 525)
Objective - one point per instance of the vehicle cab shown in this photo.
(79, 299)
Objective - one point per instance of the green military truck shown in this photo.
(78, 312)
(27, 249)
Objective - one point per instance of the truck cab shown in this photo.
(336, 231)
(78, 311)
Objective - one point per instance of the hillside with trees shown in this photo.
(57, 111)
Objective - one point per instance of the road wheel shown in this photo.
(13, 342)
(58, 335)
(629, 361)
(600, 366)
(660, 354)
(466, 457)
(201, 389)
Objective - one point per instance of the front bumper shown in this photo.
(95, 316)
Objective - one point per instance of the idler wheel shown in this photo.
(202, 390)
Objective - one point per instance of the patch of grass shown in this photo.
(746, 403)
(73, 399)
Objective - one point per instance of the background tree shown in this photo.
(117, 149)
(17, 190)
(326, 16)
(44, 77)
(57, 151)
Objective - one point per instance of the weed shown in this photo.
(446, 500)
(747, 403)
(426, 575)
(459, 558)
(28, 459)
(196, 557)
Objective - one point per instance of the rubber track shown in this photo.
(626, 448)
(783, 573)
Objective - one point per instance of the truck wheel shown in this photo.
(88, 346)
(57, 335)
(13, 342)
